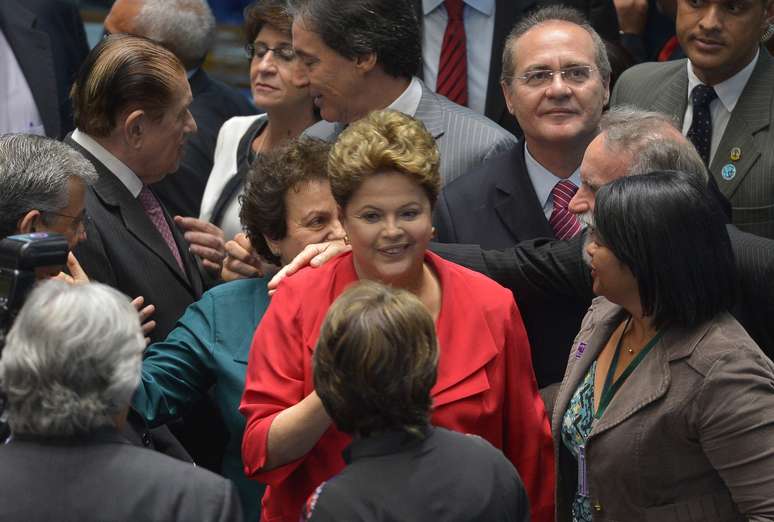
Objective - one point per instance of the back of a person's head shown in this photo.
(71, 361)
(375, 361)
(124, 72)
(185, 27)
(34, 175)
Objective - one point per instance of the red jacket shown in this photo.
(485, 385)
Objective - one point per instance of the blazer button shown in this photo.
(146, 439)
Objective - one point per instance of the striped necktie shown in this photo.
(453, 65)
(564, 222)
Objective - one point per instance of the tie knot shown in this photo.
(454, 9)
(147, 199)
(562, 193)
(702, 95)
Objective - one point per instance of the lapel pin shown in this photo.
(728, 172)
(736, 154)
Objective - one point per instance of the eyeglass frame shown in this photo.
(250, 49)
(77, 221)
(551, 72)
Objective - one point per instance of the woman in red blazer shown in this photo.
(384, 175)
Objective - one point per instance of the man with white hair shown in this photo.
(68, 371)
(187, 28)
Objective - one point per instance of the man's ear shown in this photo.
(134, 128)
(365, 62)
(29, 222)
(506, 87)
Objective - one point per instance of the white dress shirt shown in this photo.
(721, 107)
(543, 181)
(408, 101)
(127, 177)
(479, 19)
(18, 110)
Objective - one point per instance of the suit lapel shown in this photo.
(516, 202)
(430, 113)
(33, 52)
(673, 100)
(751, 114)
(113, 193)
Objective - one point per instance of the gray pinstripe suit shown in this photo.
(663, 87)
(465, 138)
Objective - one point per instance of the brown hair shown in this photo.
(260, 13)
(275, 172)
(375, 361)
(383, 140)
(123, 71)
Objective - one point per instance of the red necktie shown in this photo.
(155, 213)
(453, 65)
(564, 222)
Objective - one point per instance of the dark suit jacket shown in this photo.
(102, 477)
(124, 250)
(213, 103)
(663, 87)
(496, 206)
(49, 42)
(542, 269)
(507, 13)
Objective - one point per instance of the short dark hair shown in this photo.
(664, 227)
(122, 71)
(261, 13)
(352, 28)
(375, 361)
(275, 172)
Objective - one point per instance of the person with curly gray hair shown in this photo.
(69, 368)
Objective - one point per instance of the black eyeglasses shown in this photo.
(284, 52)
(81, 220)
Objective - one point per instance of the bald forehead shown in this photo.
(122, 16)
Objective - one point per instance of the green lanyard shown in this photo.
(610, 388)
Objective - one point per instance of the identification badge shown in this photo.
(583, 479)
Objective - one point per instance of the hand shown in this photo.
(314, 255)
(205, 240)
(632, 15)
(145, 314)
(77, 276)
(241, 260)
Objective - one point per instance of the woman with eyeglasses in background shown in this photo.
(289, 110)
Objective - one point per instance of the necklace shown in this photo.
(629, 349)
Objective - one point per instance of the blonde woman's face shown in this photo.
(388, 221)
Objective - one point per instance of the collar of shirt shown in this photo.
(543, 181)
(728, 91)
(483, 6)
(408, 101)
(384, 443)
(116, 166)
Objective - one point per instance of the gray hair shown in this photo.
(185, 27)
(34, 174)
(72, 359)
(554, 13)
(652, 139)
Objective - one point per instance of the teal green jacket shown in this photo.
(208, 348)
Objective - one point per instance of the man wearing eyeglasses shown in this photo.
(555, 82)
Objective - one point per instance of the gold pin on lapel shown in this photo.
(736, 154)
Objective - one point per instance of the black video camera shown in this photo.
(23, 260)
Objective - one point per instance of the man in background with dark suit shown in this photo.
(42, 44)
(357, 56)
(555, 80)
(187, 28)
(70, 366)
(723, 99)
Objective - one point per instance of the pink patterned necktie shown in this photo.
(156, 215)
(564, 222)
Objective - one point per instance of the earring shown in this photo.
(346, 239)
(432, 232)
(768, 34)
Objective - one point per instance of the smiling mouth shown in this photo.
(394, 250)
(264, 87)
